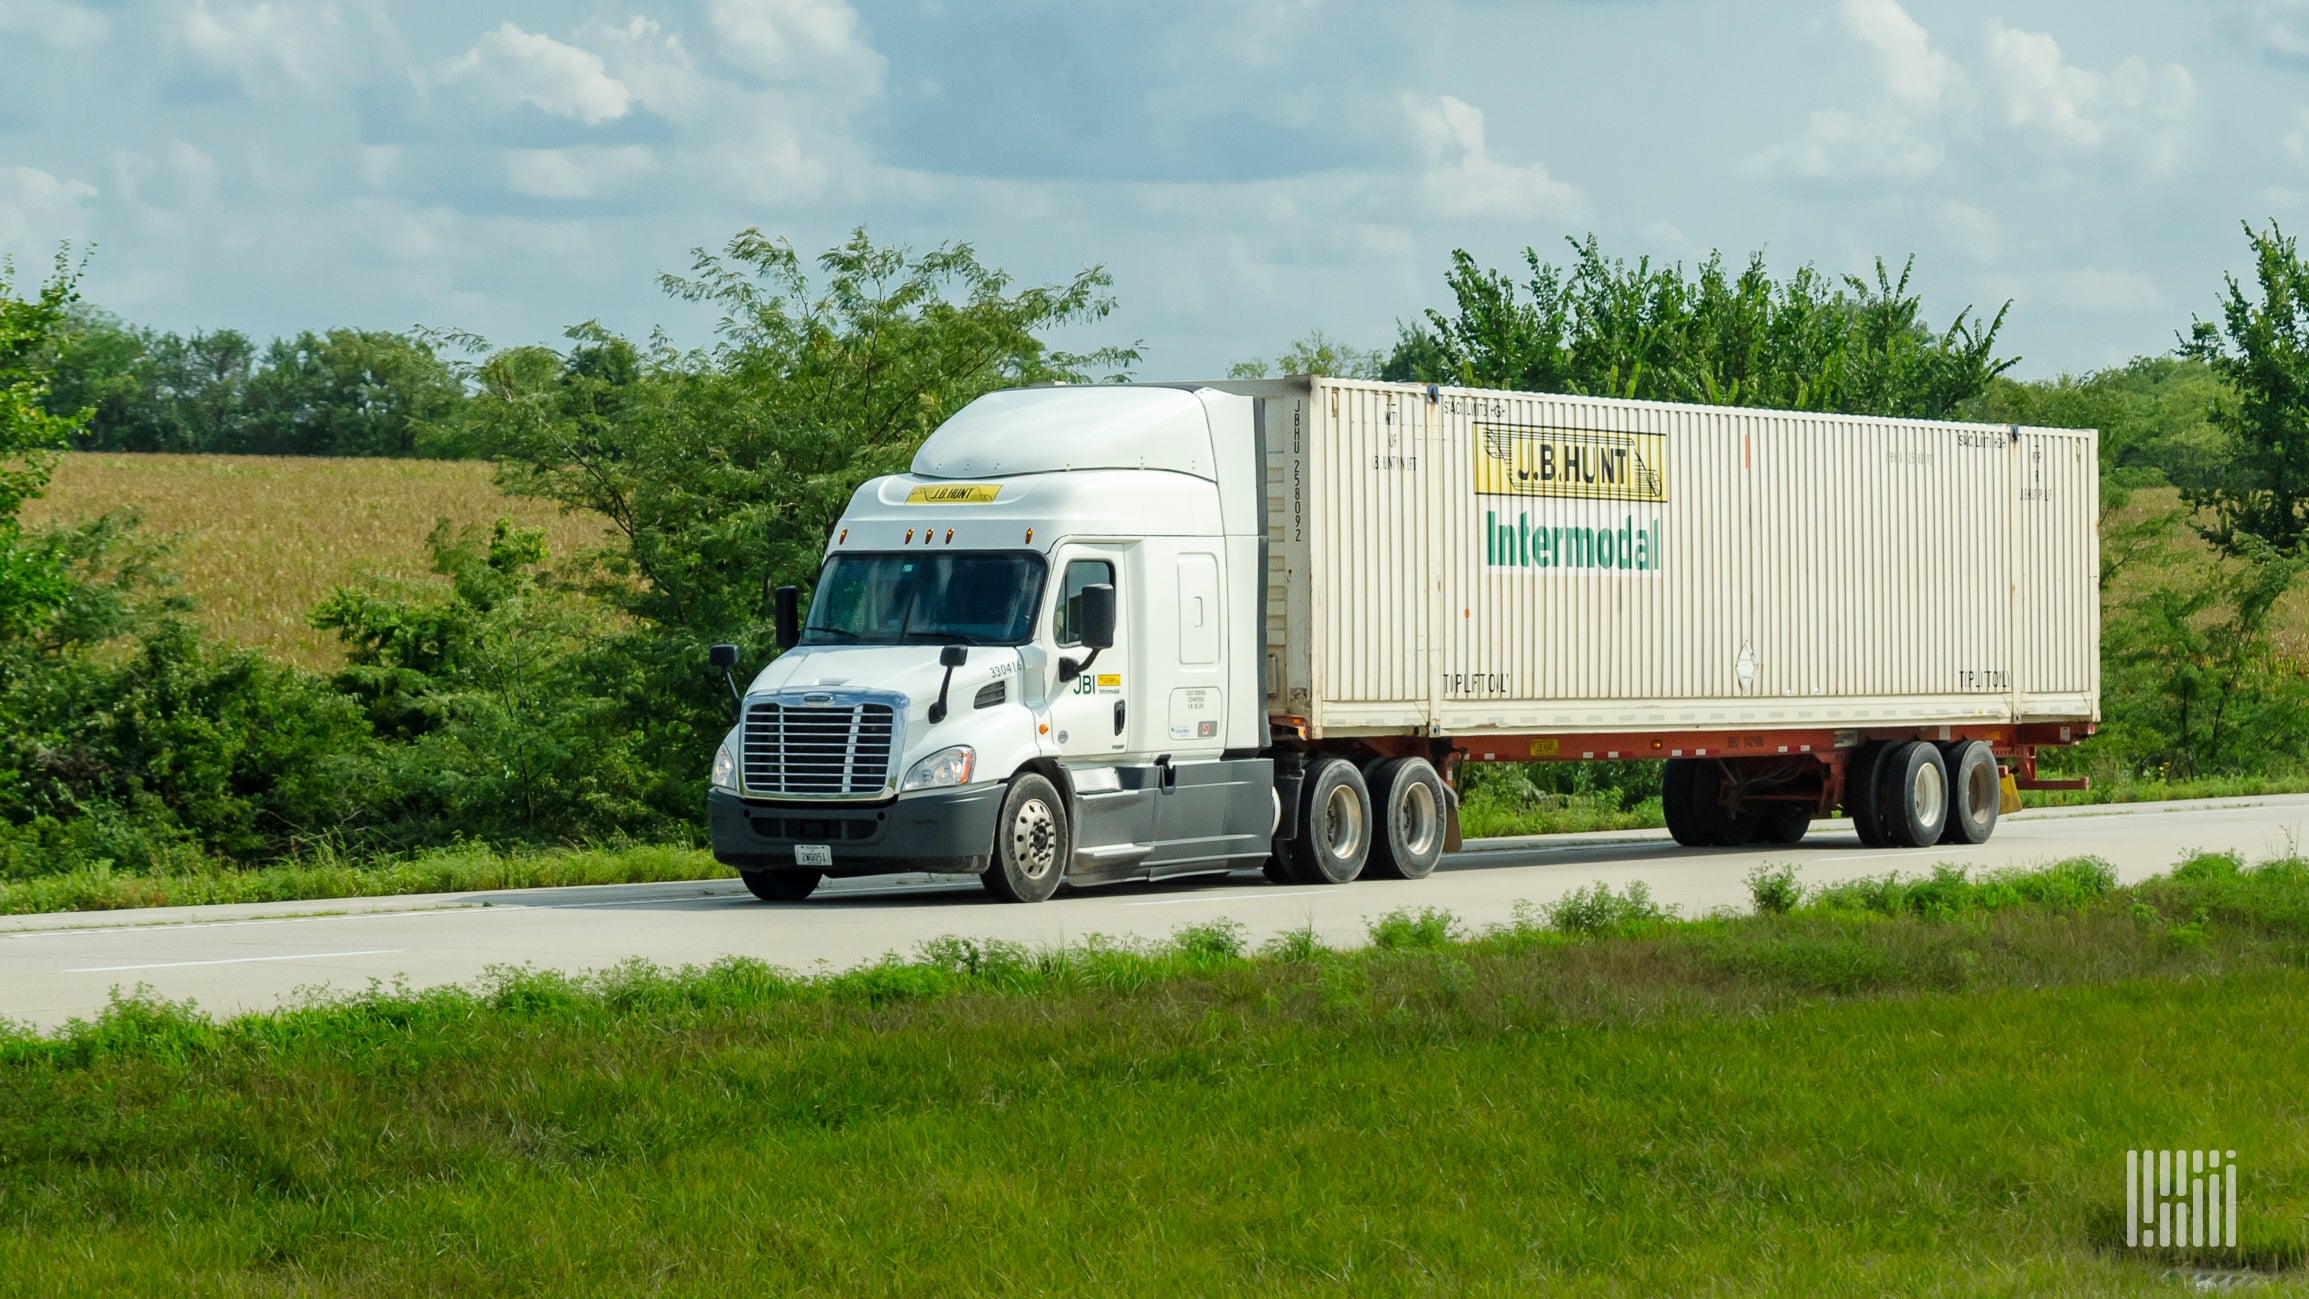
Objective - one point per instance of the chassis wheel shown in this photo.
(1032, 844)
(1912, 795)
(1676, 806)
(1784, 823)
(1862, 773)
(1721, 826)
(1413, 810)
(1335, 828)
(1975, 795)
(781, 886)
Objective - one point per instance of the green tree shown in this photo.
(33, 584)
(488, 691)
(2260, 488)
(1606, 328)
(348, 392)
(1314, 353)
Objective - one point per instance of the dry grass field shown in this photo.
(259, 540)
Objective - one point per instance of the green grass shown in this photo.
(445, 870)
(1926, 1089)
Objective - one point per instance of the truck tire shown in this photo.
(1413, 811)
(1862, 772)
(1676, 802)
(1912, 795)
(1719, 825)
(781, 886)
(1974, 793)
(1334, 825)
(1032, 844)
(1784, 823)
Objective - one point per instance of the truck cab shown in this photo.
(1033, 656)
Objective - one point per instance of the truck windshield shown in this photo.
(955, 598)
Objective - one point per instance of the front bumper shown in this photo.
(946, 830)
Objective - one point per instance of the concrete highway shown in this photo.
(56, 967)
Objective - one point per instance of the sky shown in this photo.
(1246, 171)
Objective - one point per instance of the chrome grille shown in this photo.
(839, 751)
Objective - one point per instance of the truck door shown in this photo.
(1090, 715)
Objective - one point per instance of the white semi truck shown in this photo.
(1125, 632)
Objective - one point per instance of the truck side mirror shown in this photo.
(723, 658)
(787, 602)
(949, 658)
(1098, 615)
(1097, 628)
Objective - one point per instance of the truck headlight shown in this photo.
(941, 769)
(726, 764)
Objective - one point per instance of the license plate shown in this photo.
(813, 854)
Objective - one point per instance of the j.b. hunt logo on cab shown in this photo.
(1570, 501)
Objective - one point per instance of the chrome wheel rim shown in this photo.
(1420, 823)
(1034, 838)
(1343, 823)
(1980, 790)
(1928, 796)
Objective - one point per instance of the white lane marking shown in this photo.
(444, 909)
(1231, 897)
(236, 960)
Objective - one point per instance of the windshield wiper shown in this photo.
(809, 632)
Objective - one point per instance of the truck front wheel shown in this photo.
(781, 886)
(1334, 825)
(1032, 842)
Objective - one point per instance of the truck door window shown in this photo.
(1068, 617)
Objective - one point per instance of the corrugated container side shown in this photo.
(1486, 561)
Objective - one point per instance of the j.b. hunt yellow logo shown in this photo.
(1578, 464)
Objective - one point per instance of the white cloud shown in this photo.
(1914, 72)
(815, 42)
(2130, 109)
(37, 210)
(654, 67)
(59, 23)
(576, 173)
(196, 169)
(1462, 179)
(1897, 138)
(1836, 143)
(510, 67)
(2023, 97)
(264, 45)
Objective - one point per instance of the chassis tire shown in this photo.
(1413, 814)
(1032, 842)
(1912, 795)
(781, 886)
(1676, 806)
(1721, 827)
(1975, 792)
(1784, 823)
(1862, 773)
(1335, 829)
